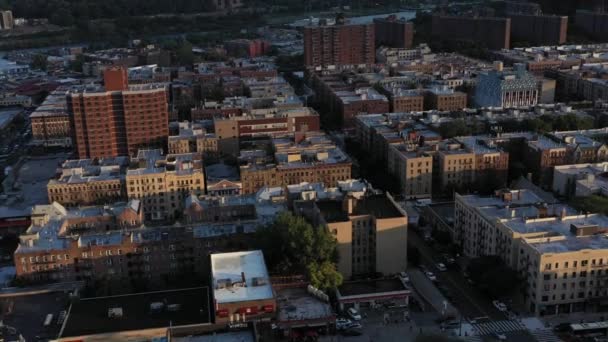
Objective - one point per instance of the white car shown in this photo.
(354, 314)
(430, 275)
(343, 323)
(499, 305)
(441, 267)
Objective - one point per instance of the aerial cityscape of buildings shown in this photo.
(439, 173)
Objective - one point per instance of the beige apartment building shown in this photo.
(163, 182)
(191, 138)
(89, 181)
(414, 169)
(561, 255)
(371, 231)
(456, 167)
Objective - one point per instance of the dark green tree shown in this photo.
(291, 245)
(39, 62)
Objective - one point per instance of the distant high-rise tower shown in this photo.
(342, 43)
(119, 119)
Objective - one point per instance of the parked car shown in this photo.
(441, 267)
(499, 305)
(343, 323)
(354, 314)
(430, 275)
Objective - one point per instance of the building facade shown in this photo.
(338, 44)
(493, 33)
(393, 32)
(539, 29)
(118, 121)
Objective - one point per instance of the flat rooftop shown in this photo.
(364, 287)
(296, 304)
(229, 269)
(89, 316)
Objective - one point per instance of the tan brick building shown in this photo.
(299, 158)
(189, 137)
(51, 122)
(414, 169)
(163, 182)
(371, 231)
(444, 100)
(87, 182)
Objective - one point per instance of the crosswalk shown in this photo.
(503, 326)
(545, 335)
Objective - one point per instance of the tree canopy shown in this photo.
(493, 276)
(291, 245)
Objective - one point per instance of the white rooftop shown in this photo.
(230, 269)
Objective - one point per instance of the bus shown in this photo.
(590, 329)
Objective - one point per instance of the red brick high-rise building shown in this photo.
(539, 29)
(393, 32)
(119, 119)
(338, 44)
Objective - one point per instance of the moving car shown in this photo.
(499, 305)
(404, 277)
(430, 275)
(354, 314)
(441, 267)
(343, 323)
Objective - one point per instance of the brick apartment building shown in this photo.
(88, 182)
(444, 99)
(338, 44)
(371, 229)
(119, 119)
(393, 32)
(51, 122)
(247, 47)
(592, 23)
(539, 29)
(494, 33)
(229, 130)
(112, 244)
(309, 157)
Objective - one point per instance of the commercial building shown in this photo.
(51, 122)
(414, 169)
(493, 33)
(147, 315)
(163, 182)
(560, 254)
(371, 229)
(88, 182)
(444, 99)
(120, 119)
(581, 180)
(393, 32)
(367, 293)
(539, 29)
(309, 157)
(189, 137)
(500, 88)
(6, 20)
(241, 287)
(339, 44)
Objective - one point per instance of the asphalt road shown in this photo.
(467, 299)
